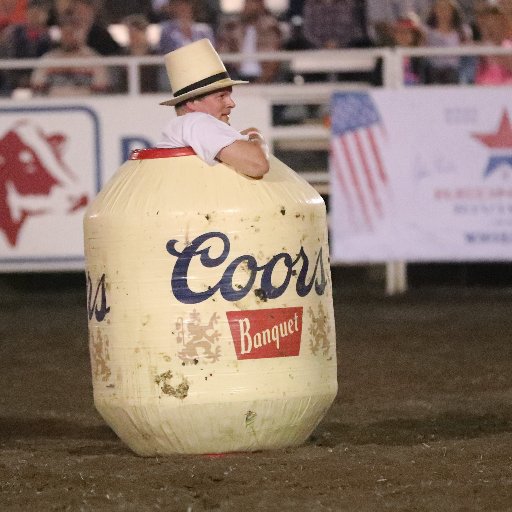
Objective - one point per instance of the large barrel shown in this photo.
(210, 311)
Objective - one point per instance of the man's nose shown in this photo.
(230, 102)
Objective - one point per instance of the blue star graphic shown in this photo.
(500, 140)
(497, 161)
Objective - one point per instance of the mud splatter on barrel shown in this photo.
(210, 313)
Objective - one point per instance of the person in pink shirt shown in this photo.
(496, 30)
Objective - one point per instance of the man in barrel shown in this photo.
(202, 98)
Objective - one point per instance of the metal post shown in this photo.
(396, 271)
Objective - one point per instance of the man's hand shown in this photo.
(256, 136)
(250, 157)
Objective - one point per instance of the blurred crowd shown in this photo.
(73, 29)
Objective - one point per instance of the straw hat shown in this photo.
(196, 69)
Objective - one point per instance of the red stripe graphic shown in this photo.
(355, 180)
(378, 159)
(360, 180)
(368, 175)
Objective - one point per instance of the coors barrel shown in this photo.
(210, 311)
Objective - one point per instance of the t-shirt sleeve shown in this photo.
(207, 136)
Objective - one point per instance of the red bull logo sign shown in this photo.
(45, 178)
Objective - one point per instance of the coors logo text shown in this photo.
(222, 277)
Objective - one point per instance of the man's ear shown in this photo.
(191, 105)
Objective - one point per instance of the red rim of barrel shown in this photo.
(149, 153)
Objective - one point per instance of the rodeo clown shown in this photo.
(202, 98)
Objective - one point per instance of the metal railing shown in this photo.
(330, 62)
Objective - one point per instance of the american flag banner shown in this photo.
(358, 176)
(418, 174)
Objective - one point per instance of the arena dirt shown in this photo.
(422, 421)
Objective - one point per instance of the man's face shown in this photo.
(218, 104)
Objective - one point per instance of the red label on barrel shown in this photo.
(266, 333)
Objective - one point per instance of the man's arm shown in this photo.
(250, 157)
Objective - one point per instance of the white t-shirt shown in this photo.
(205, 134)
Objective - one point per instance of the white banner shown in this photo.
(56, 154)
(423, 174)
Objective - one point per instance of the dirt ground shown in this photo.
(422, 421)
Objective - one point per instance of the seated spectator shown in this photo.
(138, 45)
(179, 30)
(208, 11)
(12, 12)
(254, 30)
(70, 81)
(468, 10)
(381, 17)
(115, 11)
(28, 40)
(58, 11)
(505, 6)
(333, 23)
(444, 28)
(182, 28)
(295, 8)
(407, 34)
(159, 10)
(97, 35)
(138, 42)
(297, 41)
(495, 27)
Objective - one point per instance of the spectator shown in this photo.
(506, 7)
(295, 8)
(495, 27)
(182, 29)
(381, 16)
(208, 11)
(297, 40)
(114, 11)
(138, 45)
(4, 80)
(468, 10)
(59, 10)
(28, 40)
(70, 81)
(333, 23)
(254, 30)
(179, 30)
(97, 36)
(407, 33)
(444, 28)
(11, 12)
(159, 10)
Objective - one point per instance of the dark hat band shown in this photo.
(201, 83)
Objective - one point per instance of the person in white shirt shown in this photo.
(202, 98)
